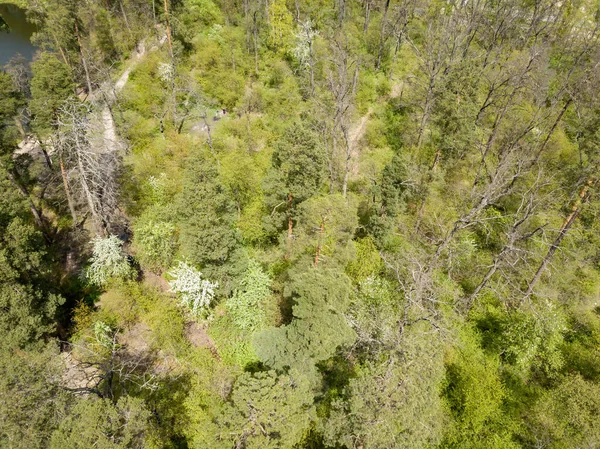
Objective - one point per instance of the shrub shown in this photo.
(108, 261)
(195, 293)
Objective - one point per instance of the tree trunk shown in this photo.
(125, 16)
(290, 228)
(347, 161)
(37, 215)
(341, 11)
(425, 117)
(382, 37)
(83, 60)
(319, 241)
(46, 156)
(436, 160)
(584, 196)
(88, 196)
(208, 132)
(311, 65)
(255, 38)
(168, 27)
(367, 17)
(60, 49)
(63, 173)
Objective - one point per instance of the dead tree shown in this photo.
(342, 81)
(104, 366)
(516, 234)
(92, 162)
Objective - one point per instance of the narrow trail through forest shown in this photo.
(106, 96)
(360, 128)
(356, 134)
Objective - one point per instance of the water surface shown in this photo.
(17, 40)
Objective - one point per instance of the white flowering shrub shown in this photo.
(303, 38)
(195, 293)
(108, 261)
(165, 72)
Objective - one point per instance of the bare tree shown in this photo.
(104, 365)
(92, 161)
(517, 232)
(342, 79)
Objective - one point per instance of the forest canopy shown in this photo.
(301, 225)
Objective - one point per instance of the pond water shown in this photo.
(17, 40)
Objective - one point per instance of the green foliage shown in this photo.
(266, 411)
(28, 305)
(33, 402)
(320, 297)
(102, 424)
(206, 217)
(567, 416)
(50, 86)
(367, 261)
(300, 160)
(10, 100)
(4, 28)
(104, 39)
(155, 243)
(393, 402)
(233, 344)
(475, 397)
(298, 172)
(372, 186)
(328, 223)
(281, 25)
(247, 305)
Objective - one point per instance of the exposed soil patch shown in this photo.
(198, 336)
(156, 281)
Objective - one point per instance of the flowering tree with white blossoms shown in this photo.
(166, 72)
(195, 293)
(108, 261)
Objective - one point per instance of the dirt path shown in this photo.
(356, 134)
(360, 128)
(108, 95)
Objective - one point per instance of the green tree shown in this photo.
(567, 417)
(320, 298)
(154, 242)
(104, 39)
(51, 85)
(248, 303)
(281, 23)
(475, 396)
(26, 298)
(33, 401)
(298, 172)
(207, 216)
(392, 402)
(266, 411)
(100, 423)
(326, 226)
